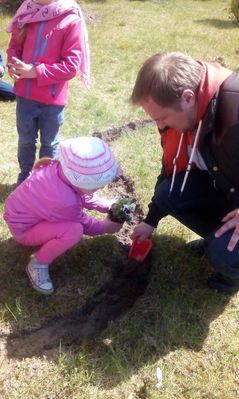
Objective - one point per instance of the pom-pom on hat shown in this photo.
(87, 162)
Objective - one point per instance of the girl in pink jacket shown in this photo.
(47, 209)
(48, 46)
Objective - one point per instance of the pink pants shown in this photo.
(54, 239)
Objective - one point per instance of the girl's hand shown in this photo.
(142, 231)
(110, 202)
(112, 227)
(21, 70)
(231, 222)
(12, 72)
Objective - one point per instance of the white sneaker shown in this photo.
(39, 276)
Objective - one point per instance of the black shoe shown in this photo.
(197, 246)
(21, 177)
(223, 284)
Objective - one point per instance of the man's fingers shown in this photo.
(230, 215)
(233, 241)
(224, 229)
(219, 232)
(234, 238)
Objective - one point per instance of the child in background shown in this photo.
(46, 210)
(6, 90)
(48, 46)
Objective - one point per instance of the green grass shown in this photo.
(188, 331)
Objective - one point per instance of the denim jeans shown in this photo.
(201, 208)
(33, 116)
(6, 91)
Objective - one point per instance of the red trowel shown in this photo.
(139, 250)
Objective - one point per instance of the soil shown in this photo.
(114, 298)
(114, 132)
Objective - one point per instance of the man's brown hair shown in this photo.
(164, 77)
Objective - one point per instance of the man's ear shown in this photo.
(188, 100)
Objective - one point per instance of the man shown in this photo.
(196, 108)
(6, 90)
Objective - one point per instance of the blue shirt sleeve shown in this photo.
(1, 64)
(1, 60)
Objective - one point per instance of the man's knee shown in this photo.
(223, 261)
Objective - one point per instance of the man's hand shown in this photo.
(231, 221)
(142, 231)
(20, 70)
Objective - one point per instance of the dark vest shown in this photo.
(219, 144)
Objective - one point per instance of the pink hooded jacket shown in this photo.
(47, 196)
(57, 50)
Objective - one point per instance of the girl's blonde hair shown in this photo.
(164, 77)
(44, 161)
(22, 34)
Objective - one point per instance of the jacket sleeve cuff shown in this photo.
(154, 215)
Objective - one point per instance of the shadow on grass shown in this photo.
(218, 23)
(5, 190)
(175, 311)
(75, 274)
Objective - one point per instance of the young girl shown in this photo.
(48, 46)
(46, 210)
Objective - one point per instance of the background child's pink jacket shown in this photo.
(54, 47)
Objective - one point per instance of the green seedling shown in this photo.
(121, 211)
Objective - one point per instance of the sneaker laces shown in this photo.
(42, 272)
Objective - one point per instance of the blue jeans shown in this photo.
(6, 91)
(201, 208)
(33, 116)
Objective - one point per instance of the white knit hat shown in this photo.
(87, 162)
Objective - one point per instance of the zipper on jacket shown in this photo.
(53, 90)
(39, 33)
(44, 45)
(43, 48)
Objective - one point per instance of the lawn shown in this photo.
(178, 325)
